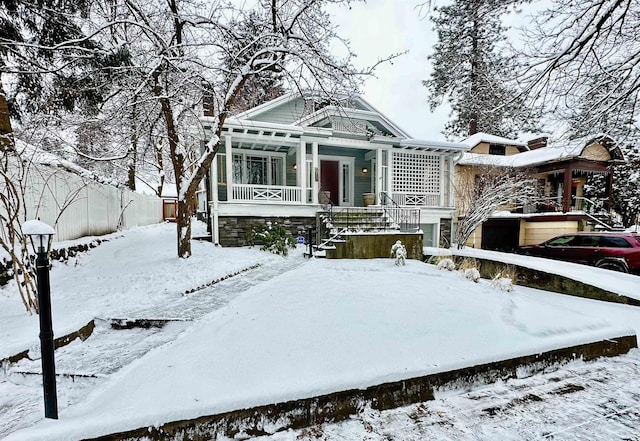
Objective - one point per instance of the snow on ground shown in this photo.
(292, 328)
(620, 283)
(119, 278)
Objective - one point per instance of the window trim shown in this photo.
(268, 155)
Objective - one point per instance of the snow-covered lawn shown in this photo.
(135, 273)
(318, 327)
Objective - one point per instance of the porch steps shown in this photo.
(337, 222)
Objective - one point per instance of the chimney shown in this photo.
(537, 143)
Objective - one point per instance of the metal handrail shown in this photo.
(406, 218)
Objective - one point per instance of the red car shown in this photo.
(616, 251)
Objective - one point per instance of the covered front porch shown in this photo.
(291, 165)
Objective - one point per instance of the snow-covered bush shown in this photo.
(272, 237)
(503, 282)
(471, 274)
(446, 264)
(399, 253)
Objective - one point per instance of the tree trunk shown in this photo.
(6, 132)
(133, 152)
(183, 221)
(475, 56)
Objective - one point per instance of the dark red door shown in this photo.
(329, 180)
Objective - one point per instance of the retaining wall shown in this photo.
(339, 406)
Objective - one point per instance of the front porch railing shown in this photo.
(269, 193)
(416, 199)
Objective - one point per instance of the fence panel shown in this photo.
(78, 207)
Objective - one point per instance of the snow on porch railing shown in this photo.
(267, 193)
(416, 199)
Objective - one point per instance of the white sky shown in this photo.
(379, 28)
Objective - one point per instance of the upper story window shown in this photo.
(497, 149)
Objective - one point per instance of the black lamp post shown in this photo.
(40, 235)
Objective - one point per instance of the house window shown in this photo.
(258, 169)
(497, 149)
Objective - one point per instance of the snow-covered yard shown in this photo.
(296, 329)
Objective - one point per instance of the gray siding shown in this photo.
(286, 113)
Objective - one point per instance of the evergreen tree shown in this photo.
(258, 89)
(471, 71)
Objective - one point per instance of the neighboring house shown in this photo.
(289, 158)
(562, 172)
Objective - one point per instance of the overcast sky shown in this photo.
(379, 28)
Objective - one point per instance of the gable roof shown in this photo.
(481, 137)
(551, 153)
(354, 106)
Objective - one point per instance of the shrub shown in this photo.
(471, 274)
(504, 280)
(272, 237)
(446, 264)
(399, 253)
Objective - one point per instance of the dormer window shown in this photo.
(497, 149)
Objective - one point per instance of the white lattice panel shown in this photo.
(416, 173)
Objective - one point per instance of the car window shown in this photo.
(585, 241)
(560, 241)
(614, 242)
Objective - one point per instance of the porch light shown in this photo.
(40, 235)
(365, 170)
(295, 166)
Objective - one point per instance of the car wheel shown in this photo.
(611, 265)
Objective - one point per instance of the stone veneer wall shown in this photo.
(234, 230)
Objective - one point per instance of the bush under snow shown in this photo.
(446, 264)
(471, 274)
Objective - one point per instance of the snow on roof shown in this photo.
(542, 155)
(476, 139)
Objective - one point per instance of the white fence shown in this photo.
(78, 207)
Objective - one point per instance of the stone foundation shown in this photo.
(235, 230)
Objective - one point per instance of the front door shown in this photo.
(330, 180)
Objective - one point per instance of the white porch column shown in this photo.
(379, 178)
(441, 164)
(229, 166)
(452, 188)
(436, 233)
(390, 173)
(215, 227)
(301, 172)
(315, 176)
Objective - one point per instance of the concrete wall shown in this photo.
(372, 246)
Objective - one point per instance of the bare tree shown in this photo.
(483, 190)
(587, 49)
(178, 55)
(12, 240)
